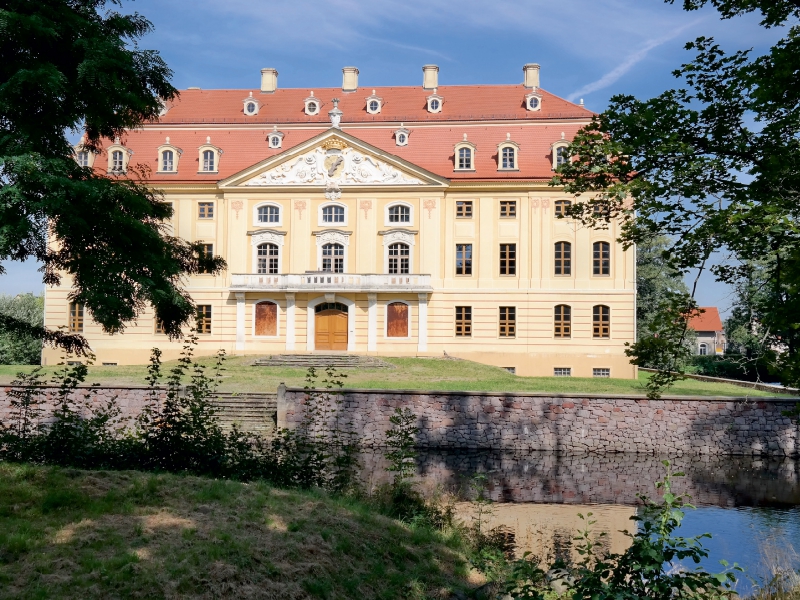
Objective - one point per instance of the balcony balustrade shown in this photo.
(330, 282)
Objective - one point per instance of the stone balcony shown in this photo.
(330, 282)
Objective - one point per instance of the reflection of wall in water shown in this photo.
(545, 530)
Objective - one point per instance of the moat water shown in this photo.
(750, 506)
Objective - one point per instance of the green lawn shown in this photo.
(410, 373)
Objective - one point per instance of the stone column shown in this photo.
(372, 322)
(422, 335)
(240, 320)
(290, 336)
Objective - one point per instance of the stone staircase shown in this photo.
(254, 413)
(320, 361)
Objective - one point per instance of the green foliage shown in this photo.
(20, 347)
(656, 281)
(67, 65)
(400, 444)
(673, 166)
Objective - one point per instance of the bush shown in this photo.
(732, 366)
(15, 348)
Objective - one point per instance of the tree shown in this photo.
(20, 349)
(655, 280)
(66, 66)
(714, 165)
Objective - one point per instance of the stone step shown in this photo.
(321, 361)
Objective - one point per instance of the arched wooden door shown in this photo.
(330, 326)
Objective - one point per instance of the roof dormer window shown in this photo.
(275, 138)
(209, 157)
(559, 149)
(533, 101)
(401, 136)
(118, 156)
(507, 155)
(312, 105)
(250, 106)
(168, 157)
(83, 157)
(465, 155)
(435, 102)
(374, 104)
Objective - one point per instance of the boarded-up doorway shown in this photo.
(397, 320)
(330, 326)
(267, 318)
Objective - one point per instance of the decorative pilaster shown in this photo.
(372, 322)
(422, 336)
(290, 336)
(240, 320)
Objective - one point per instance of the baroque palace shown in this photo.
(399, 221)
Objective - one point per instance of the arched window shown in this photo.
(397, 319)
(269, 214)
(208, 160)
(465, 158)
(563, 258)
(399, 255)
(508, 158)
(562, 321)
(116, 160)
(83, 158)
(601, 322)
(703, 349)
(267, 319)
(268, 255)
(399, 213)
(601, 258)
(333, 258)
(167, 160)
(561, 156)
(333, 214)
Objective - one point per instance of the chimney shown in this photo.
(349, 79)
(430, 77)
(269, 80)
(531, 71)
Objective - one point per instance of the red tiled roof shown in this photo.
(707, 321)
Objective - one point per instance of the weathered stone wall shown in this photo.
(569, 423)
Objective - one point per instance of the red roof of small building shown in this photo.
(709, 320)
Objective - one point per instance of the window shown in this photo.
(399, 214)
(463, 209)
(269, 214)
(465, 158)
(562, 206)
(83, 158)
(401, 138)
(562, 372)
(463, 321)
(434, 105)
(267, 257)
(116, 160)
(374, 106)
(601, 322)
(159, 326)
(533, 103)
(601, 258)
(562, 321)
(508, 158)
(266, 319)
(508, 209)
(208, 160)
(601, 372)
(204, 318)
(75, 317)
(508, 321)
(703, 349)
(167, 160)
(206, 252)
(205, 210)
(463, 259)
(312, 107)
(563, 258)
(399, 259)
(508, 259)
(332, 214)
(561, 155)
(274, 141)
(333, 258)
(397, 320)
(250, 108)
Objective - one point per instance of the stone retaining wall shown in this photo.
(569, 423)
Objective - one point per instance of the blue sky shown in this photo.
(589, 49)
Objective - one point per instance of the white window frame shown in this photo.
(217, 155)
(247, 101)
(257, 256)
(267, 237)
(90, 156)
(370, 100)
(473, 156)
(440, 101)
(700, 347)
(126, 155)
(514, 148)
(327, 224)
(401, 132)
(398, 237)
(277, 320)
(317, 102)
(531, 96)
(386, 304)
(176, 157)
(333, 237)
(388, 223)
(258, 223)
(555, 147)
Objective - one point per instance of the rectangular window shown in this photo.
(204, 318)
(206, 252)
(508, 321)
(601, 372)
(159, 326)
(562, 372)
(562, 206)
(562, 321)
(601, 258)
(601, 322)
(563, 258)
(508, 259)
(464, 209)
(205, 210)
(463, 321)
(463, 259)
(75, 317)
(508, 209)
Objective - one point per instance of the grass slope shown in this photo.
(66, 533)
(411, 373)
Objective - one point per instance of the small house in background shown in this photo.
(710, 331)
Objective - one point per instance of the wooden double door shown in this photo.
(330, 327)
